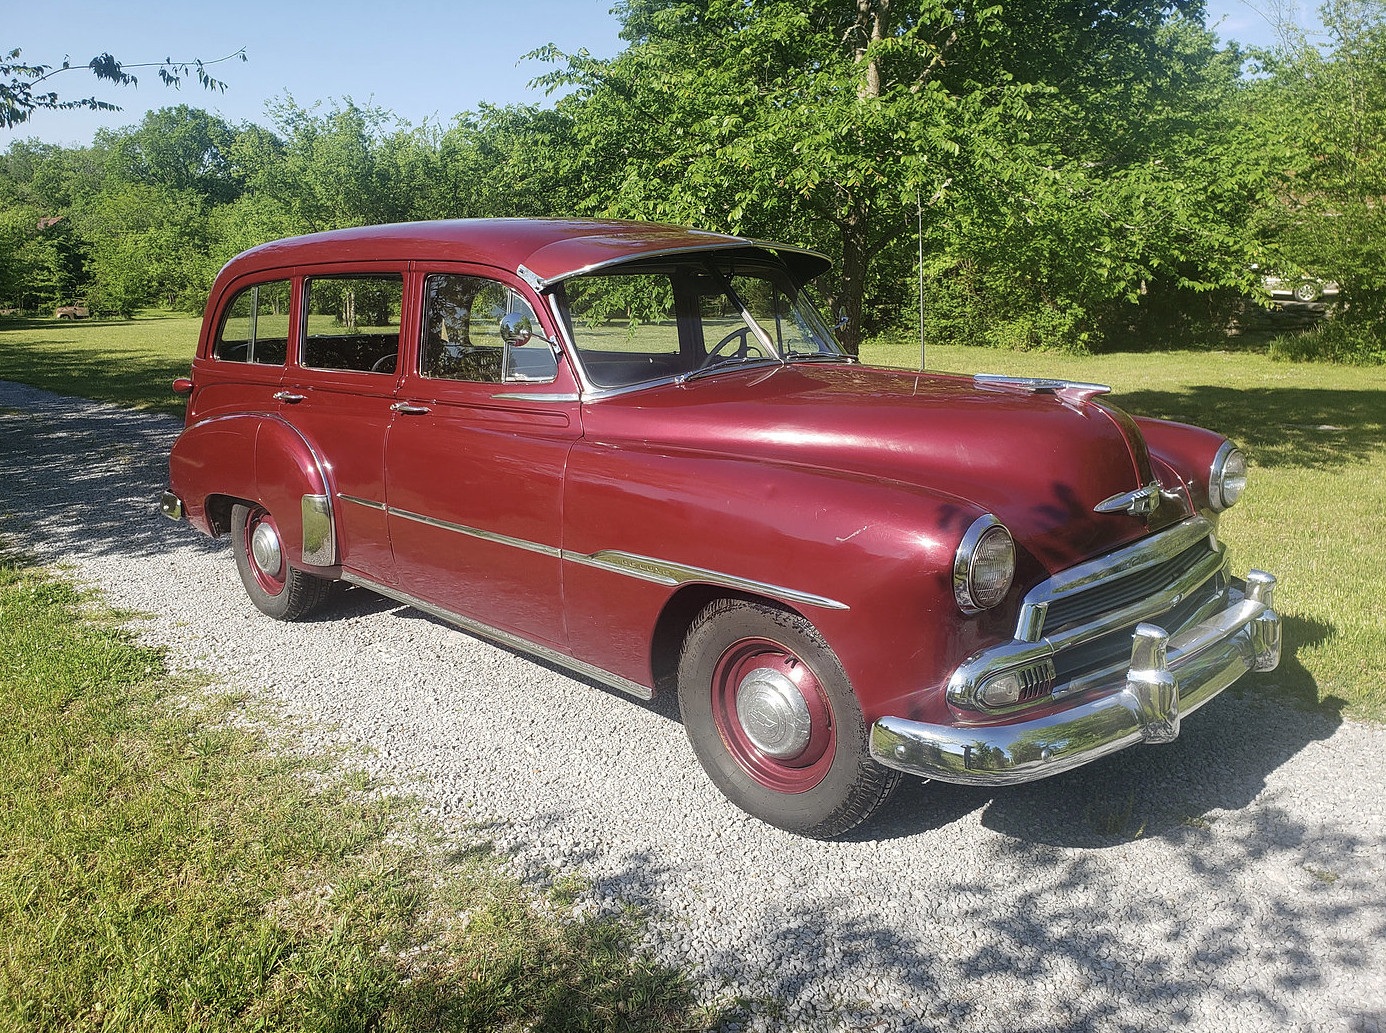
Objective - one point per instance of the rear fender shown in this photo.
(292, 483)
(259, 458)
(211, 459)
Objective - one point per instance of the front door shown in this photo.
(475, 457)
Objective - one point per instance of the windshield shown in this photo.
(641, 324)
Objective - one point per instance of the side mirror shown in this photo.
(842, 321)
(516, 329)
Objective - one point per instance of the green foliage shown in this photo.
(1333, 340)
(21, 92)
(1082, 176)
(1329, 108)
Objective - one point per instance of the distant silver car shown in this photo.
(71, 312)
(1305, 288)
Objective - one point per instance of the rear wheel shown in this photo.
(277, 589)
(1307, 290)
(773, 720)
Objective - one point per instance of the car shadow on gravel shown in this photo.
(1220, 763)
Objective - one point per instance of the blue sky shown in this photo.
(422, 61)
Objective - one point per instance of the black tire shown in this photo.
(285, 593)
(1307, 290)
(828, 786)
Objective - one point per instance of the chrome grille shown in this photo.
(1087, 605)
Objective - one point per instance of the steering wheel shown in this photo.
(384, 364)
(743, 347)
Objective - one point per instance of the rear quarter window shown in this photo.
(255, 325)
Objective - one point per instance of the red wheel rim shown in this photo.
(260, 531)
(758, 659)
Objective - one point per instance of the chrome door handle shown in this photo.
(288, 396)
(410, 410)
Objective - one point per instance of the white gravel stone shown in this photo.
(1233, 879)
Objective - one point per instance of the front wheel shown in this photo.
(773, 720)
(277, 589)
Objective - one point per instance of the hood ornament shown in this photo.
(1141, 502)
(1068, 390)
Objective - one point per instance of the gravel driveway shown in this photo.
(1233, 880)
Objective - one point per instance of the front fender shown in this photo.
(868, 561)
(1186, 452)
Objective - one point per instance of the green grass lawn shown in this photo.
(162, 868)
(1316, 435)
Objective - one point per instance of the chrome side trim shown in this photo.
(644, 568)
(319, 531)
(505, 638)
(474, 532)
(368, 503)
(520, 396)
(1145, 553)
(1168, 678)
(664, 572)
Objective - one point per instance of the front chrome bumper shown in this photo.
(171, 506)
(1168, 677)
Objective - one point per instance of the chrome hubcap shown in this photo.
(773, 713)
(264, 549)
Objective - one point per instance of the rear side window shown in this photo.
(352, 322)
(255, 326)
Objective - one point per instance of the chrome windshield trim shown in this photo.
(505, 638)
(664, 572)
(476, 532)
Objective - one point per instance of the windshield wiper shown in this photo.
(722, 364)
(819, 357)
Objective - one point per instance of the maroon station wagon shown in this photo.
(638, 452)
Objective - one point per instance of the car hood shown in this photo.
(1037, 461)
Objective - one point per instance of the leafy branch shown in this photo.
(20, 98)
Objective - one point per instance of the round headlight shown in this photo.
(1228, 479)
(984, 565)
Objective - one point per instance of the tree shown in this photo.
(20, 83)
(815, 122)
(1329, 107)
(1058, 150)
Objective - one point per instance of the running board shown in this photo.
(504, 638)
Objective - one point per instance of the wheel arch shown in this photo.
(677, 616)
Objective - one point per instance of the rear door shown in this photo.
(338, 392)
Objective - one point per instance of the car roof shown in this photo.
(543, 251)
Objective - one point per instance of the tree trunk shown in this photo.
(847, 305)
